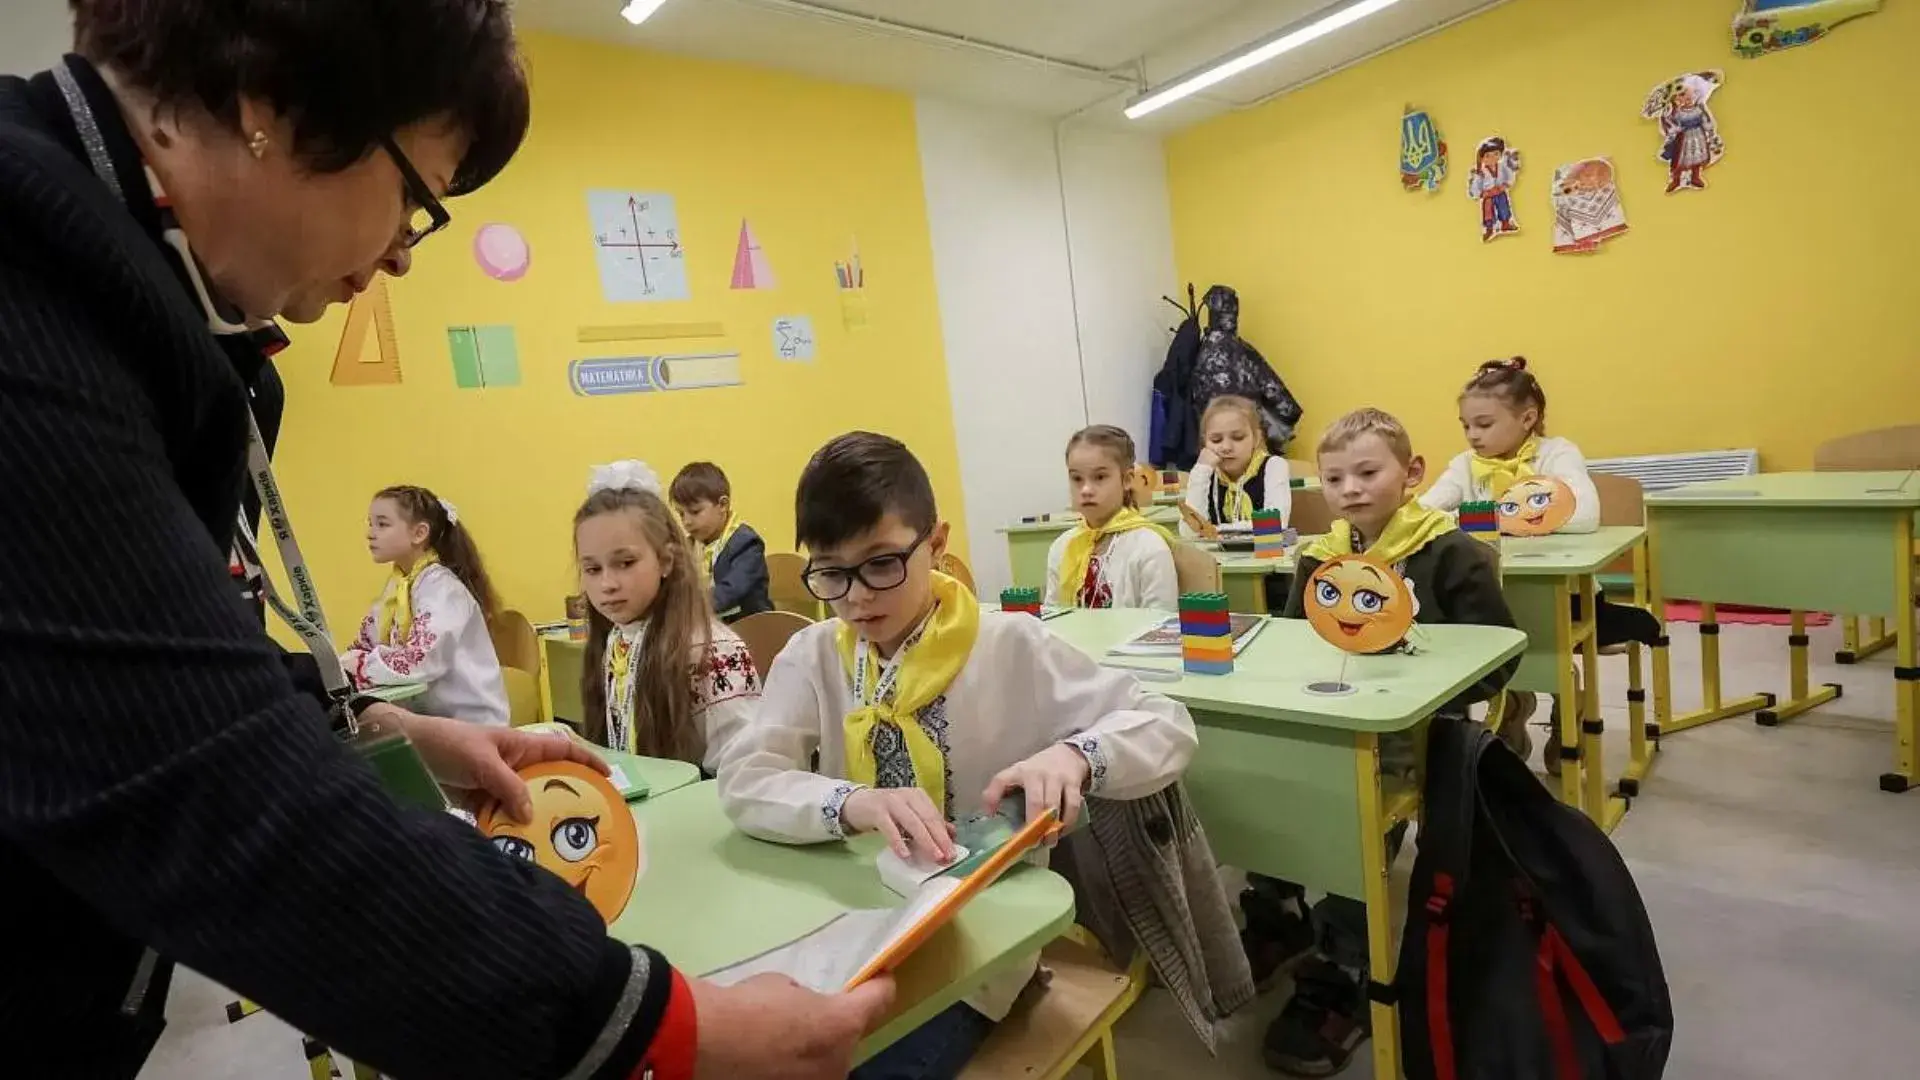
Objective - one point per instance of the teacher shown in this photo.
(166, 791)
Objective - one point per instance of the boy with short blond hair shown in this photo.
(1368, 472)
(736, 557)
(923, 710)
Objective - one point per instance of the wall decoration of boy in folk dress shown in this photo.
(1689, 139)
(1495, 168)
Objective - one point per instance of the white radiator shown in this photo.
(1661, 472)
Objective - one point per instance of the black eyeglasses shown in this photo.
(878, 574)
(425, 214)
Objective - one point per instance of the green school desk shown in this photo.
(1540, 576)
(1288, 783)
(710, 896)
(661, 775)
(1830, 541)
(397, 694)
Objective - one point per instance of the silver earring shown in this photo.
(258, 145)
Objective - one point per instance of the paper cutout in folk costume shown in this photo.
(1423, 152)
(581, 830)
(1535, 506)
(1586, 206)
(1689, 138)
(1768, 26)
(1359, 604)
(1496, 167)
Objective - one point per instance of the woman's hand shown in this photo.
(771, 1028)
(905, 816)
(1054, 777)
(481, 758)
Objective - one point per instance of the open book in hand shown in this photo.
(859, 945)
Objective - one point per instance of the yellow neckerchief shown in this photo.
(1496, 475)
(1411, 528)
(1082, 542)
(720, 542)
(919, 673)
(396, 608)
(623, 646)
(1235, 503)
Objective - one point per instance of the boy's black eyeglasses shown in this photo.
(426, 215)
(878, 574)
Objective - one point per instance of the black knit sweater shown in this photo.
(163, 785)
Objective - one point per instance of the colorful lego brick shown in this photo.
(1208, 667)
(1024, 601)
(1192, 649)
(1204, 601)
(1205, 622)
(1480, 520)
(1268, 521)
(1206, 634)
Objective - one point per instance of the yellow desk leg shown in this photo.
(1906, 672)
(1592, 759)
(1373, 857)
(546, 683)
(1640, 746)
(1854, 647)
(1798, 699)
(1662, 658)
(1712, 708)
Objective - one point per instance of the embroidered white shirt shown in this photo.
(1276, 491)
(448, 649)
(1135, 571)
(726, 691)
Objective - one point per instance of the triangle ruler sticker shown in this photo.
(751, 270)
(358, 361)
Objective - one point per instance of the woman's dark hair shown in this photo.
(678, 641)
(449, 540)
(345, 73)
(1511, 382)
(853, 482)
(1117, 444)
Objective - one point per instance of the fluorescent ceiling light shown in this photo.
(1226, 69)
(637, 11)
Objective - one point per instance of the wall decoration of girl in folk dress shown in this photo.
(1689, 139)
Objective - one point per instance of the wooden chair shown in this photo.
(1311, 516)
(956, 568)
(518, 647)
(785, 588)
(1622, 502)
(1068, 1023)
(1883, 449)
(767, 633)
(1196, 570)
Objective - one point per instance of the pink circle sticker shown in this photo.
(502, 252)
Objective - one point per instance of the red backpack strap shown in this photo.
(1599, 1013)
(1566, 1059)
(1439, 1019)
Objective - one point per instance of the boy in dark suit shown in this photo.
(735, 555)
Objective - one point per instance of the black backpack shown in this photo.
(1528, 954)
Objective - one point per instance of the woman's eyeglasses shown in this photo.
(878, 574)
(426, 215)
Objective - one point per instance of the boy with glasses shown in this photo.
(925, 711)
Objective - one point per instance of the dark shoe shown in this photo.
(1515, 711)
(1550, 756)
(1278, 931)
(1318, 1031)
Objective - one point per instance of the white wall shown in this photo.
(1051, 250)
(33, 34)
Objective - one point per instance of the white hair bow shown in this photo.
(452, 512)
(624, 476)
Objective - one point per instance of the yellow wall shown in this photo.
(1776, 309)
(811, 165)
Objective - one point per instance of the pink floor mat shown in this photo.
(1688, 611)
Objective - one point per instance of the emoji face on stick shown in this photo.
(1359, 604)
(581, 831)
(1535, 506)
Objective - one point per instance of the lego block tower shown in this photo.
(1025, 601)
(1481, 520)
(1269, 535)
(1206, 634)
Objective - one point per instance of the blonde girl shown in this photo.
(1503, 411)
(1235, 475)
(661, 672)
